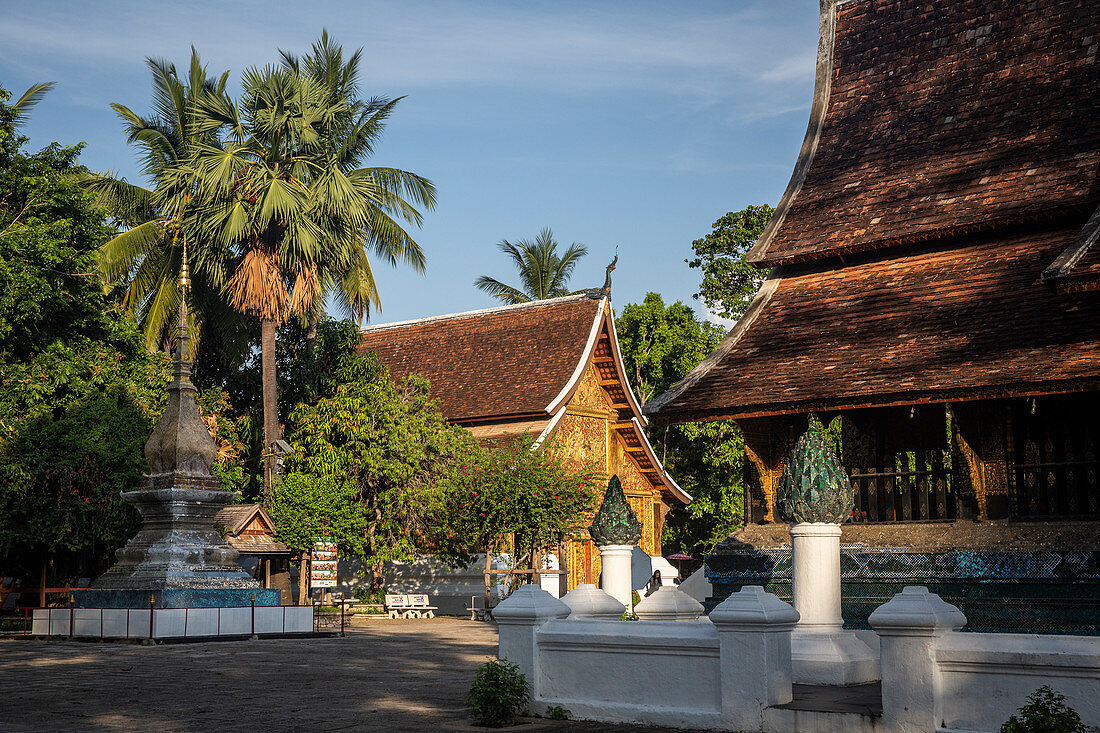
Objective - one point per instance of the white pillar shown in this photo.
(815, 576)
(908, 627)
(823, 653)
(519, 618)
(754, 648)
(615, 580)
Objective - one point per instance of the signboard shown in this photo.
(322, 566)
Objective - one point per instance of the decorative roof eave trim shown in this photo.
(549, 426)
(655, 406)
(823, 82)
(1062, 267)
(669, 483)
(897, 399)
(575, 380)
(620, 367)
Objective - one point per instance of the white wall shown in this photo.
(664, 673)
(982, 679)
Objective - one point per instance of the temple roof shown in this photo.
(944, 322)
(501, 372)
(943, 117)
(951, 166)
(494, 363)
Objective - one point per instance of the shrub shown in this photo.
(1045, 712)
(498, 693)
(557, 712)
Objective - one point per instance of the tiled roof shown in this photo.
(941, 117)
(498, 362)
(951, 320)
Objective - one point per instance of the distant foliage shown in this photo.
(543, 272)
(307, 506)
(1046, 711)
(660, 346)
(499, 693)
(729, 283)
(79, 394)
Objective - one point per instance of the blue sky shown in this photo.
(630, 124)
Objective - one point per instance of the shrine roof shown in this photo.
(936, 118)
(953, 320)
(494, 363)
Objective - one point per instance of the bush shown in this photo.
(1045, 712)
(498, 693)
(557, 712)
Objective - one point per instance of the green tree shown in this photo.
(729, 283)
(288, 209)
(660, 346)
(543, 273)
(79, 394)
(308, 506)
(388, 440)
(513, 495)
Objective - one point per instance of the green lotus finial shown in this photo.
(615, 523)
(814, 486)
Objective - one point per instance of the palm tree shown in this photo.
(20, 111)
(145, 259)
(287, 208)
(542, 272)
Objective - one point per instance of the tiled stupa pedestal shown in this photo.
(177, 559)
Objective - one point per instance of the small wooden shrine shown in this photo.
(933, 273)
(550, 367)
(250, 530)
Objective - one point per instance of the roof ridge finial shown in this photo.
(605, 291)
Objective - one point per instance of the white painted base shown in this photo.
(122, 623)
(831, 657)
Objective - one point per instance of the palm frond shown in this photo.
(21, 110)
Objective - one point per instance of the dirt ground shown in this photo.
(388, 676)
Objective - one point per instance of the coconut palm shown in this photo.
(287, 209)
(145, 259)
(352, 137)
(543, 273)
(21, 110)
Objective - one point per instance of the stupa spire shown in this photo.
(181, 445)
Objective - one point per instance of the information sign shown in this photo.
(322, 573)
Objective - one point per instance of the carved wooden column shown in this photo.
(768, 454)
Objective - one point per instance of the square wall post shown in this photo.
(754, 643)
(908, 626)
(519, 618)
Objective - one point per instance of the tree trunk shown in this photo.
(271, 405)
(303, 580)
(488, 576)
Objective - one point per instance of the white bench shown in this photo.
(409, 605)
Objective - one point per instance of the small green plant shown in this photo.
(557, 712)
(498, 693)
(1045, 712)
(628, 616)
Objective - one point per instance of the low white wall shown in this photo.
(133, 623)
(654, 672)
(982, 679)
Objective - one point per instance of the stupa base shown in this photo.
(175, 597)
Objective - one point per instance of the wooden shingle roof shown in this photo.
(493, 363)
(941, 117)
(951, 166)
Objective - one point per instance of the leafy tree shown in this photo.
(389, 441)
(79, 394)
(729, 282)
(510, 494)
(308, 506)
(543, 273)
(660, 345)
(288, 208)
